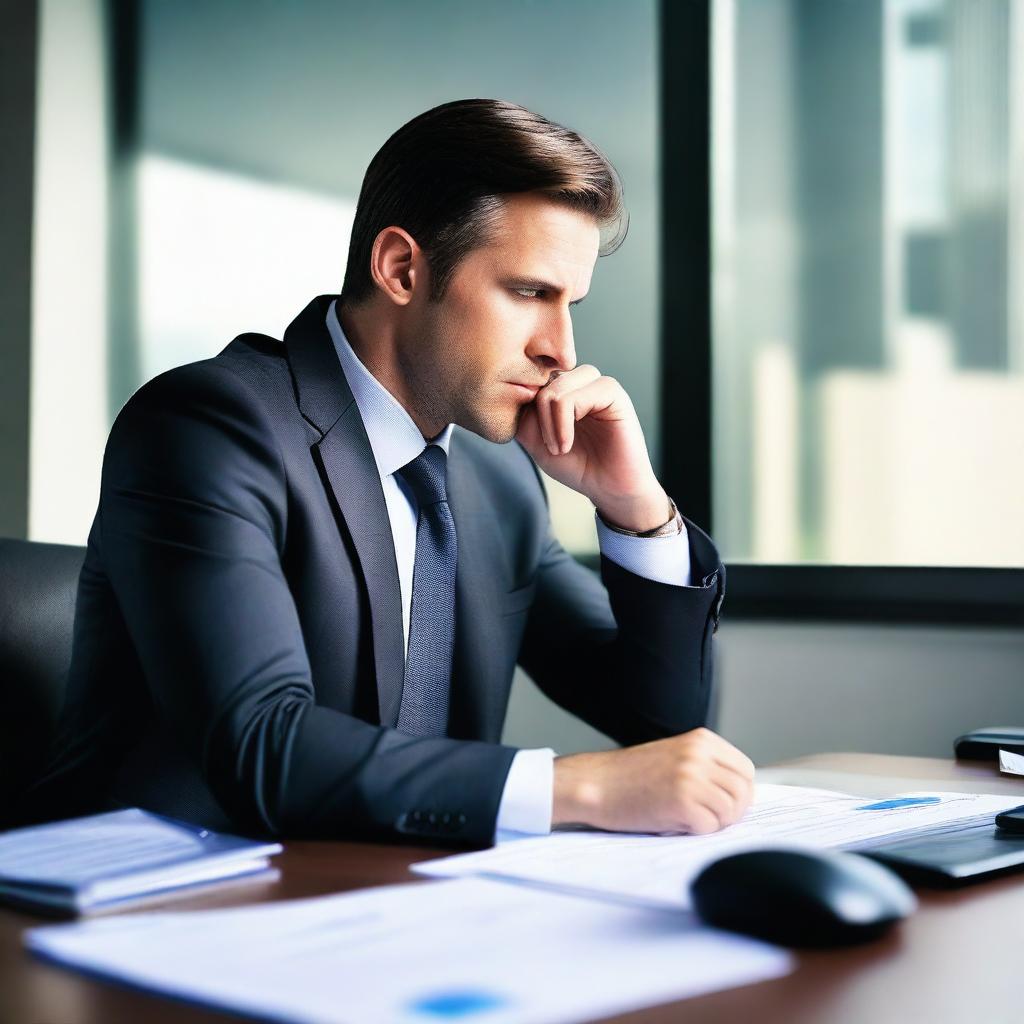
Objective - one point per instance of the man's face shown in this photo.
(504, 321)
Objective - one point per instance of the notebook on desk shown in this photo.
(951, 854)
(85, 865)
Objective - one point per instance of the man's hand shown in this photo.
(696, 782)
(583, 431)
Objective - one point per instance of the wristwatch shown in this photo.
(672, 528)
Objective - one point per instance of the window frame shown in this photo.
(921, 594)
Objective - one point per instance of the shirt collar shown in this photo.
(394, 437)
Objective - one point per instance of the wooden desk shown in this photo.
(958, 959)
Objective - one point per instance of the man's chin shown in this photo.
(499, 428)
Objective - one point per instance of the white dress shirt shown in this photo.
(396, 440)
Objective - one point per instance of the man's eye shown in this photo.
(529, 293)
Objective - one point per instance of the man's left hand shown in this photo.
(583, 431)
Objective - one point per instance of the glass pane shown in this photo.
(868, 167)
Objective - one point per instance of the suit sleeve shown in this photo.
(193, 518)
(631, 657)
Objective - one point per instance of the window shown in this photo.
(865, 325)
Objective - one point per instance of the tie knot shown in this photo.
(426, 475)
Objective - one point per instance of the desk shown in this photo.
(958, 959)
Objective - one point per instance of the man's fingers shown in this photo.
(696, 782)
(558, 406)
(701, 820)
(735, 796)
(563, 421)
(718, 780)
(722, 752)
(729, 780)
(717, 800)
(736, 762)
(572, 380)
(544, 422)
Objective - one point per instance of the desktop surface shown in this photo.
(956, 959)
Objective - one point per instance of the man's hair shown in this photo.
(442, 176)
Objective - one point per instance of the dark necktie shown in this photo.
(428, 665)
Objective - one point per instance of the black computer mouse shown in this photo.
(802, 898)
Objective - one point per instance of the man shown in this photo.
(316, 564)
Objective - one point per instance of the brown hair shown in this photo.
(441, 177)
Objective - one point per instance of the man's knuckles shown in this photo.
(565, 384)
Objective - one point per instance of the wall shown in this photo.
(69, 415)
(789, 689)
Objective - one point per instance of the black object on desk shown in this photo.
(985, 744)
(804, 898)
(954, 854)
(1012, 820)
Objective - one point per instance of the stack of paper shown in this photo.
(411, 954)
(657, 870)
(105, 860)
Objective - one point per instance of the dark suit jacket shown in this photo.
(238, 649)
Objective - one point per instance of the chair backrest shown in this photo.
(38, 583)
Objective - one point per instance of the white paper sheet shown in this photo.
(1011, 763)
(419, 953)
(658, 870)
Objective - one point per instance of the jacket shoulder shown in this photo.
(248, 372)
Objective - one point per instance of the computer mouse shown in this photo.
(803, 898)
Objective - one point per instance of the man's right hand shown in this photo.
(696, 782)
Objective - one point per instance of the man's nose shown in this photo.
(554, 345)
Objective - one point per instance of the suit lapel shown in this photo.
(345, 460)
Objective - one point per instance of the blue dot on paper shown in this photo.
(453, 1005)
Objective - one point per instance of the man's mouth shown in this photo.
(525, 389)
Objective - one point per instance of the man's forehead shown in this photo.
(543, 237)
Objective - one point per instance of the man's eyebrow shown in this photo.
(536, 284)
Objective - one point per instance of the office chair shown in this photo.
(38, 583)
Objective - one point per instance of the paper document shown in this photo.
(658, 870)
(1011, 763)
(101, 859)
(418, 953)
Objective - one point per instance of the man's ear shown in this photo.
(397, 264)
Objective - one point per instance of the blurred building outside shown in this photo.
(868, 271)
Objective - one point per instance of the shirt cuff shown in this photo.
(529, 793)
(662, 559)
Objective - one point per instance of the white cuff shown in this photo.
(529, 793)
(662, 559)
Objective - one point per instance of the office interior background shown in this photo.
(818, 310)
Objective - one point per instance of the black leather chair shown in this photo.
(37, 610)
